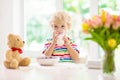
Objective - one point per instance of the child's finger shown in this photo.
(64, 38)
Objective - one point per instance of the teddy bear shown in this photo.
(13, 56)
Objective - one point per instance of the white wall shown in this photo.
(6, 25)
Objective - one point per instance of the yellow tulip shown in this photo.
(112, 43)
(85, 27)
(103, 16)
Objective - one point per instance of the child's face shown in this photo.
(59, 27)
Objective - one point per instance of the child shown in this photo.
(61, 23)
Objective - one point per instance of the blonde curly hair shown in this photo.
(61, 16)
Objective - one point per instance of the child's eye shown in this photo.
(62, 26)
(55, 26)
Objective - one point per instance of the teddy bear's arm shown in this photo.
(9, 55)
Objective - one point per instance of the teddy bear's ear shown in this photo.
(10, 36)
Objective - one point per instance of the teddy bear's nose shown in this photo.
(23, 41)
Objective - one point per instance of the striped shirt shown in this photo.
(61, 51)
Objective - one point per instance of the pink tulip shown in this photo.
(109, 18)
(107, 24)
(88, 22)
(98, 19)
(116, 25)
(118, 18)
(96, 22)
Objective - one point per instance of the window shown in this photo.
(79, 10)
(109, 5)
(78, 7)
(36, 16)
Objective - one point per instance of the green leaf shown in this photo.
(96, 38)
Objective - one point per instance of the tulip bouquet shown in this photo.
(104, 29)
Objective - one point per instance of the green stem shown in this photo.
(108, 62)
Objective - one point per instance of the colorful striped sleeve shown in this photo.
(47, 45)
(74, 46)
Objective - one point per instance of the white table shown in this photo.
(60, 71)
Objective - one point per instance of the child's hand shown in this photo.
(66, 41)
(55, 37)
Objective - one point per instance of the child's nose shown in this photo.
(60, 32)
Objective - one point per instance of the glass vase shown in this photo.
(108, 65)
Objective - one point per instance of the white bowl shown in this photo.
(47, 60)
